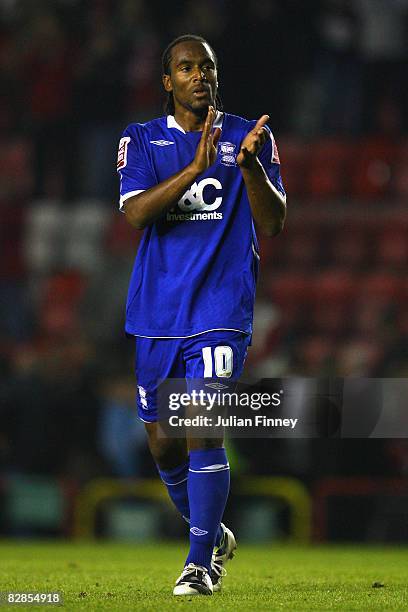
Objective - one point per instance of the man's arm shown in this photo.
(267, 204)
(146, 207)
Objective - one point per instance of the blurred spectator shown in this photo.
(99, 107)
(338, 68)
(121, 435)
(102, 315)
(141, 48)
(47, 69)
(384, 54)
(53, 409)
(14, 304)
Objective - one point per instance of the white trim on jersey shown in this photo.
(172, 123)
(218, 120)
(241, 331)
(255, 252)
(272, 138)
(128, 195)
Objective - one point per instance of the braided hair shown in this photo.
(166, 59)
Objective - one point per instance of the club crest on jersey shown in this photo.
(227, 152)
(122, 152)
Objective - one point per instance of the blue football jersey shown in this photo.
(197, 266)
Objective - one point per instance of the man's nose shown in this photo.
(199, 74)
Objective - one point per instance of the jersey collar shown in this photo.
(172, 123)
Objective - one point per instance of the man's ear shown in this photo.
(166, 78)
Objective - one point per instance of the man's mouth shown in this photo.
(201, 92)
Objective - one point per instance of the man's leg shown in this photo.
(219, 356)
(197, 483)
(159, 359)
(208, 488)
(172, 461)
(171, 458)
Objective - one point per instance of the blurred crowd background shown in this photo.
(333, 292)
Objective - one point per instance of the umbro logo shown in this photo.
(198, 532)
(162, 143)
(216, 385)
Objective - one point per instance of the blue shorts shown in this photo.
(219, 355)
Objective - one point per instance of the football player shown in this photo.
(195, 180)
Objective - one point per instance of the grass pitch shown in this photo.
(131, 577)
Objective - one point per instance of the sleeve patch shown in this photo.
(122, 152)
(275, 154)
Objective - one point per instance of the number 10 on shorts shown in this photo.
(220, 359)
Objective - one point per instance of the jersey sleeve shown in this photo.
(133, 165)
(269, 158)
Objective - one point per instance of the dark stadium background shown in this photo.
(333, 293)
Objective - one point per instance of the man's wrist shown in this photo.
(253, 166)
(192, 171)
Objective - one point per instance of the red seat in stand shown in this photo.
(328, 169)
(349, 247)
(294, 157)
(401, 172)
(60, 303)
(301, 248)
(382, 286)
(335, 285)
(373, 168)
(289, 288)
(392, 249)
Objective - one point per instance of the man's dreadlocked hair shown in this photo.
(166, 59)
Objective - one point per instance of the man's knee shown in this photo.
(205, 443)
(168, 453)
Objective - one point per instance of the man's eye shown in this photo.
(209, 67)
(185, 69)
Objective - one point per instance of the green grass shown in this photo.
(130, 577)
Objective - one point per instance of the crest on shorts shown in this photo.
(227, 152)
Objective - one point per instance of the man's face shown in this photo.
(193, 77)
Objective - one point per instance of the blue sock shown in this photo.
(208, 488)
(176, 483)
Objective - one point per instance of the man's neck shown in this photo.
(190, 122)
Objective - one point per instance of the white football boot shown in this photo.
(194, 580)
(221, 555)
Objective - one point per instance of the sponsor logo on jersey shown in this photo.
(227, 152)
(196, 203)
(162, 143)
(122, 152)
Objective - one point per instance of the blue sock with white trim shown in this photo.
(208, 488)
(176, 484)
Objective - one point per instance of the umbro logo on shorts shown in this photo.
(162, 143)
